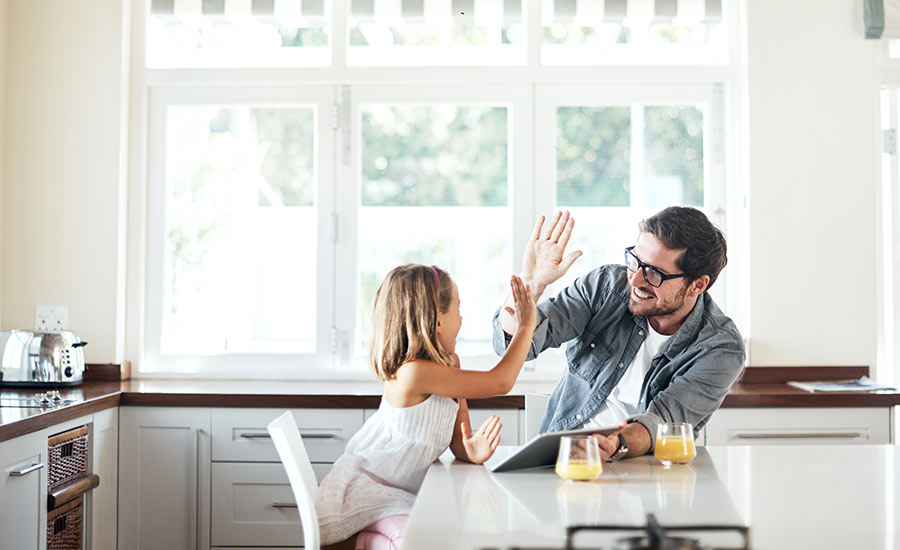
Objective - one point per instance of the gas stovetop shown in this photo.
(48, 400)
(654, 536)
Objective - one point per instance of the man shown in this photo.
(646, 343)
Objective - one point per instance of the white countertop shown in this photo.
(841, 497)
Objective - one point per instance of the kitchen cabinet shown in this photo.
(800, 426)
(102, 501)
(164, 477)
(23, 486)
(252, 501)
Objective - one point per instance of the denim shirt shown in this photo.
(687, 380)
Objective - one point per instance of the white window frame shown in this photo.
(550, 98)
(519, 192)
(234, 365)
(532, 165)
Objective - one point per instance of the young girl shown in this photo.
(371, 489)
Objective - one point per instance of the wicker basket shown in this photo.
(64, 526)
(67, 456)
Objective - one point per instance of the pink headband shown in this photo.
(436, 278)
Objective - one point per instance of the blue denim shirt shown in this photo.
(687, 380)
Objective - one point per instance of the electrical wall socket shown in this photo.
(51, 318)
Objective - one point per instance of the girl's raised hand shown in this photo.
(481, 445)
(525, 310)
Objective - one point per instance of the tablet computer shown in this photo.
(543, 448)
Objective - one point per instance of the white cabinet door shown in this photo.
(164, 478)
(101, 502)
(23, 492)
(799, 426)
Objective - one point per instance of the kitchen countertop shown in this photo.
(819, 497)
(759, 387)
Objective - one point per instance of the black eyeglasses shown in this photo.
(652, 275)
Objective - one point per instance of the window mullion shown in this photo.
(346, 188)
(637, 156)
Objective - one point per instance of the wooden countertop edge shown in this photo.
(307, 401)
(37, 422)
(742, 396)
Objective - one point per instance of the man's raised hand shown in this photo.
(545, 260)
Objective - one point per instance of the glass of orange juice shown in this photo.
(579, 458)
(674, 443)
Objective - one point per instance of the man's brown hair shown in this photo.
(688, 229)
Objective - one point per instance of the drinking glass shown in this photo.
(674, 443)
(579, 458)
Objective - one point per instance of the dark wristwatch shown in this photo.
(621, 451)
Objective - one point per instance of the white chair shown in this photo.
(289, 444)
(535, 405)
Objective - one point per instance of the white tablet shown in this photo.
(543, 448)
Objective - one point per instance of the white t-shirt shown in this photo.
(623, 399)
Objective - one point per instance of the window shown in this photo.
(237, 212)
(617, 158)
(435, 32)
(297, 151)
(587, 32)
(237, 33)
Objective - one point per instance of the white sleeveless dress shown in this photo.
(383, 466)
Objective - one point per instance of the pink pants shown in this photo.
(384, 534)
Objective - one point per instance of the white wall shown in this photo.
(62, 223)
(4, 32)
(812, 166)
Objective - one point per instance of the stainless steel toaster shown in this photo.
(41, 358)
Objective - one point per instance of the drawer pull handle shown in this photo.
(284, 505)
(27, 470)
(304, 436)
(831, 435)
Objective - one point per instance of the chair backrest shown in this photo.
(289, 444)
(535, 405)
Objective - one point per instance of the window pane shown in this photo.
(593, 156)
(434, 191)
(185, 40)
(618, 165)
(674, 156)
(434, 156)
(239, 230)
(585, 32)
(436, 33)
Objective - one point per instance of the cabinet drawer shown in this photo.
(799, 426)
(244, 511)
(240, 434)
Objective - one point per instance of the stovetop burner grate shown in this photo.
(653, 536)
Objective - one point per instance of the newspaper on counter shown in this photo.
(864, 383)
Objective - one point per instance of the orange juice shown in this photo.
(674, 450)
(579, 470)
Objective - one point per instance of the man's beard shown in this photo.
(665, 308)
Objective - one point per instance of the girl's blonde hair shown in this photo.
(404, 321)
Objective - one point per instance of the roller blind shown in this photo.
(234, 9)
(437, 12)
(589, 13)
